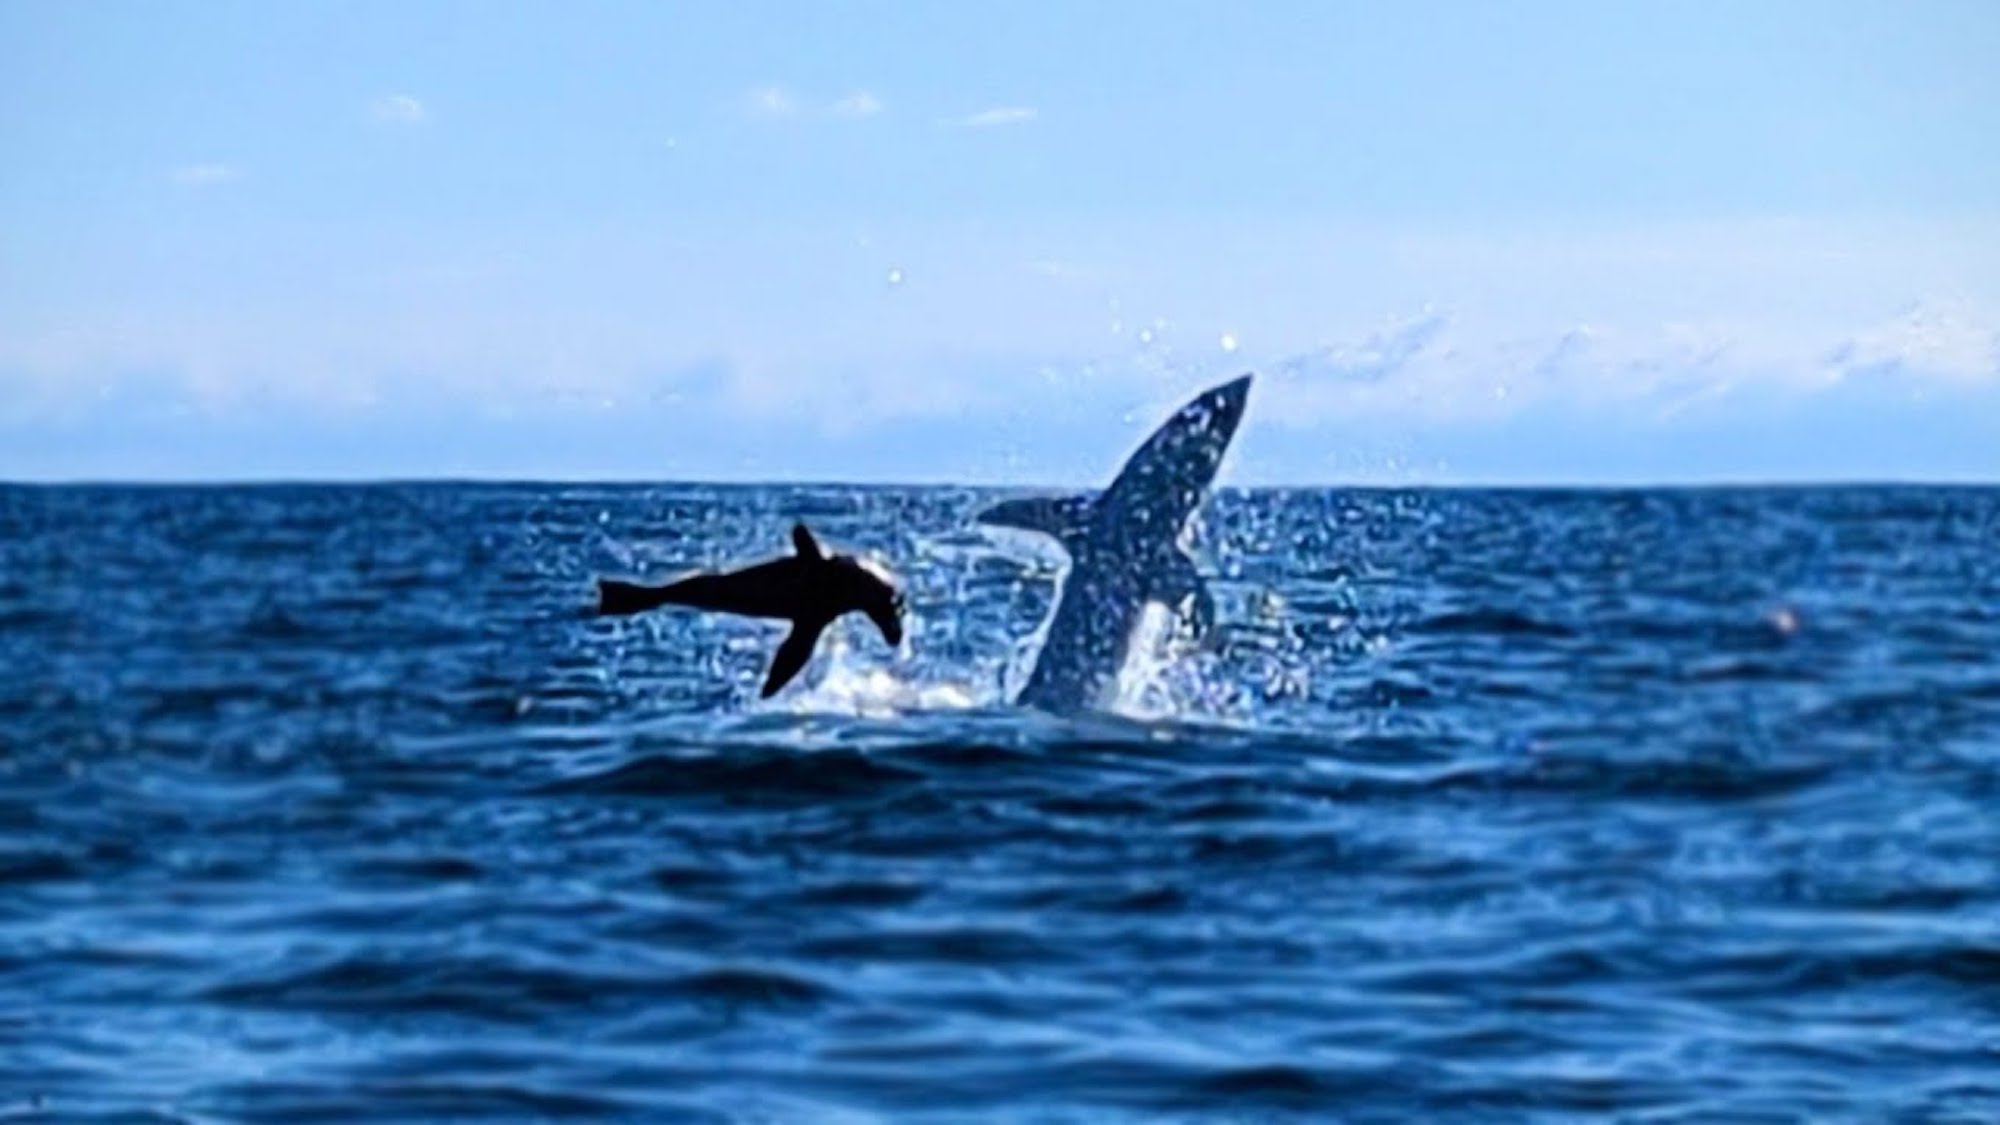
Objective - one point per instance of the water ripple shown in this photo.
(335, 803)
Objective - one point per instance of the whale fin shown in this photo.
(1064, 518)
(792, 656)
(804, 543)
(1180, 587)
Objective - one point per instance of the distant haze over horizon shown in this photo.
(1459, 243)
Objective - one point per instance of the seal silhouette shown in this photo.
(809, 588)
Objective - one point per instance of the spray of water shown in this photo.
(859, 679)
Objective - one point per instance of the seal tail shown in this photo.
(615, 597)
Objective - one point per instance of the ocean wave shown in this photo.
(335, 802)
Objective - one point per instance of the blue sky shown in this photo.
(983, 242)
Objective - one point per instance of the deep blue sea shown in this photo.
(335, 803)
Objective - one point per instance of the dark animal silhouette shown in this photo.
(1124, 550)
(808, 588)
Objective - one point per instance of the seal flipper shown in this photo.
(1180, 587)
(792, 655)
(804, 543)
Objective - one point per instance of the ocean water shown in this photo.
(335, 804)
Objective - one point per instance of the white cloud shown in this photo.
(206, 175)
(776, 102)
(998, 116)
(1941, 341)
(1383, 354)
(1345, 324)
(1428, 368)
(399, 109)
(771, 101)
(861, 103)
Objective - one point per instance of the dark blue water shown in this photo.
(331, 803)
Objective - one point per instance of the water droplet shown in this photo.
(1229, 341)
(895, 276)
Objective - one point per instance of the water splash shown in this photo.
(857, 682)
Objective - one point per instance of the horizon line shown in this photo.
(1365, 485)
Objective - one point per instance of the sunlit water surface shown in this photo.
(334, 803)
